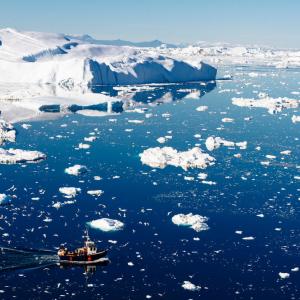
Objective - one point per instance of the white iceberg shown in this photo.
(69, 191)
(4, 199)
(273, 105)
(213, 143)
(76, 170)
(95, 193)
(34, 57)
(196, 222)
(7, 132)
(187, 285)
(295, 119)
(106, 224)
(161, 157)
(13, 156)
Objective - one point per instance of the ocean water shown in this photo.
(248, 200)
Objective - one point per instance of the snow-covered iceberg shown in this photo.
(161, 157)
(273, 105)
(33, 57)
(76, 170)
(7, 132)
(13, 156)
(106, 224)
(213, 143)
(196, 222)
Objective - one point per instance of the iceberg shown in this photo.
(76, 170)
(7, 132)
(273, 105)
(13, 156)
(4, 199)
(35, 57)
(69, 191)
(161, 157)
(213, 143)
(187, 285)
(106, 224)
(196, 222)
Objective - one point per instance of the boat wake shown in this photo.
(14, 259)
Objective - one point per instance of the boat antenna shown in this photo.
(87, 233)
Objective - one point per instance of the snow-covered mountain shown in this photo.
(35, 57)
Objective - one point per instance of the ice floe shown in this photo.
(95, 193)
(196, 222)
(284, 275)
(187, 285)
(13, 156)
(295, 119)
(273, 105)
(161, 157)
(76, 170)
(4, 199)
(106, 224)
(213, 143)
(7, 132)
(69, 191)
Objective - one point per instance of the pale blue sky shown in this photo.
(266, 22)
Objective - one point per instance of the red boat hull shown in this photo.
(83, 259)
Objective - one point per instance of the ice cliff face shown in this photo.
(33, 57)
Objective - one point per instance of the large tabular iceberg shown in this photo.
(161, 157)
(32, 57)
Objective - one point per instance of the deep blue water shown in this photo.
(164, 255)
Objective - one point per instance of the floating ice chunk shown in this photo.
(136, 121)
(283, 275)
(202, 176)
(202, 108)
(7, 132)
(260, 215)
(296, 269)
(106, 224)
(4, 199)
(286, 152)
(69, 191)
(162, 140)
(84, 146)
(195, 222)
(273, 105)
(248, 238)
(161, 157)
(26, 126)
(90, 139)
(76, 170)
(295, 119)
(187, 285)
(13, 156)
(227, 120)
(96, 193)
(213, 143)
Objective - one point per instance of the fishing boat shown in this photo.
(88, 254)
